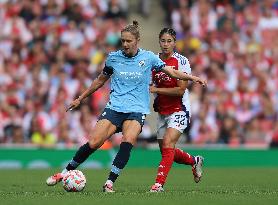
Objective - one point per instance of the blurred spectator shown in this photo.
(12, 128)
(116, 9)
(227, 128)
(253, 133)
(40, 135)
(274, 136)
(144, 8)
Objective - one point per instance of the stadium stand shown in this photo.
(51, 50)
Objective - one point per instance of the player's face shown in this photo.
(129, 43)
(167, 43)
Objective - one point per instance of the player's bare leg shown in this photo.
(102, 131)
(131, 130)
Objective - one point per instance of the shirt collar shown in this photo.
(131, 56)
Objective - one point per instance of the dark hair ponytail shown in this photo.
(135, 23)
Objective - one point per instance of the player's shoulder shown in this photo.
(182, 59)
(114, 53)
(146, 52)
(113, 56)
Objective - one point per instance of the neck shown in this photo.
(165, 56)
(131, 54)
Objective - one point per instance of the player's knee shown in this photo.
(131, 139)
(168, 143)
(95, 142)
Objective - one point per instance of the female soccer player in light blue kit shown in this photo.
(130, 73)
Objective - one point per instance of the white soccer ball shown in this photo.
(74, 181)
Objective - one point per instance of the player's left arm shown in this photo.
(169, 70)
(176, 91)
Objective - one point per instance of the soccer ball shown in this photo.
(74, 181)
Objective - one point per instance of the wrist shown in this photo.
(80, 98)
(155, 90)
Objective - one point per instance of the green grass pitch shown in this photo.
(227, 186)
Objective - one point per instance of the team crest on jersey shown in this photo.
(141, 63)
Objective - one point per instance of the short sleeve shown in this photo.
(108, 68)
(110, 59)
(184, 65)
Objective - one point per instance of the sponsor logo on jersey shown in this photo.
(131, 75)
(160, 77)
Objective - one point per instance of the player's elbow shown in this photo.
(170, 71)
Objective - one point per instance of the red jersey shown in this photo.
(166, 104)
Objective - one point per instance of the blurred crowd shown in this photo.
(50, 50)
(234, 45)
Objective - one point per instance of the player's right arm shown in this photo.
(95, 85)
(183, 76)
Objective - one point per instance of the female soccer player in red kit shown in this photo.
(173, 107)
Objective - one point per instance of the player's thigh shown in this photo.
(101, 132)
(161, 126)
(131, 130)
(171, 137)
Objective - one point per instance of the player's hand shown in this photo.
(74, 104)
(152, 89)
(201, 81)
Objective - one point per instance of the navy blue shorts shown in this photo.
(118, 118)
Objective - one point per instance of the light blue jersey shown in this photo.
(130, 79)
